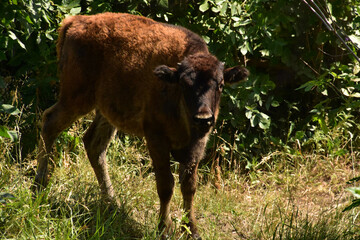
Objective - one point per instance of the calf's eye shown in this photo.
(220, 86)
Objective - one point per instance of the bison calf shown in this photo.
(145, 78)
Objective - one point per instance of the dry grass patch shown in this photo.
(286, 197)
(300, 197)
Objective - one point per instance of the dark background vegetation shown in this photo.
(286, 141)
(302, 95)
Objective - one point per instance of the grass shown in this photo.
(286, 197)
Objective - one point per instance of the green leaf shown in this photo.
(28, 19)
(163, 3)
(323, 125)
(264, 125)
(10, 109)
(355, 95)
(13, 136)
(21, 44)
(204, 7)
(48, 36)
(354, 204)
(215, 9)
(254, 120)
(246, 22)
(15, 38)
(4, 132)
(12, 35)
(307, 86)
(355, 179)
(223, 9)
(266, 86)
(325, 92)
(355, 191)
(206, 39)
(75, 11)
(248, 114)
(166, 18)
(300, 135)
(244, 49)
(4, 196)
(233, 9)
(355, 39)
(275, 103)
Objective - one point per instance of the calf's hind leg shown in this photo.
(96, 141)
(55, 119)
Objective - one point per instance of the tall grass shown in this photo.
(285, 197)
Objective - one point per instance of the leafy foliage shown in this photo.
(28, 61)
(302, 95)
(4, 131)
(355, 191)
(303, 88)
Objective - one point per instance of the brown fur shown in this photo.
(115, 63)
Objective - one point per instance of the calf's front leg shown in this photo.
(188, 181)
(189, 159)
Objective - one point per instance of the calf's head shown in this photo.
(201, 78)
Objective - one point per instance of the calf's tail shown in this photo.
(65, 25)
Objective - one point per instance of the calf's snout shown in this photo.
(204, 117)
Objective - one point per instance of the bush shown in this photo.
(303, 87)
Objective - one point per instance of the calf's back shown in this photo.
(106, 61)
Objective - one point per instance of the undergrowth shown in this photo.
(286, 196)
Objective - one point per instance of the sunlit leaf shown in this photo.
(355, 39)
(4, 132)
(28, 19)
(14, 136)
(223, 9)
(13, 36)
(355, 95)
(275, 103)
(10, 109)
(355, 191)
(204, 7)
(163, 3)
(48, 36)
(75, 10)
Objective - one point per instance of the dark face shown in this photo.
(201, 78)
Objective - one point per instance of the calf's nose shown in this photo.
(204, 117)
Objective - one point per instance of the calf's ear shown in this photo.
(166, 73)
(235, 74)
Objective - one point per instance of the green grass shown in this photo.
(286, 197)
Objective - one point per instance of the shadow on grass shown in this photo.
(112, 223)
(92, 218)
